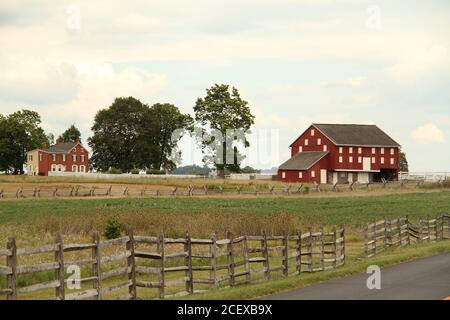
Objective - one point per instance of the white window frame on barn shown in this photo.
(359, 150)
(74, 168)
(341, 160)
(319, 141)
(374, 150)
(359, 159)
(312, 132)
(350, 159)
(53, 157)
(306, 142)
(341, 150)
(392, 151)
(82, 158)
(382, 160)
(350, 149)
(325, 147)
(82, 168)
(392, 161)
(300, 149)
(300, 175)
(64, 157)
(313, 174)
(374, 160)
(74, 157)
(382, 150)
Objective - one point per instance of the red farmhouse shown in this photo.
(341, 153)
(63, 156)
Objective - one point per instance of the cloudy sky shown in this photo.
(295, 61)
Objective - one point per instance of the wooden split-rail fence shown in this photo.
(382, 234)
(158, 267)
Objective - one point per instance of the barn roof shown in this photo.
(356, 135)
(62, 147)
(303, 160)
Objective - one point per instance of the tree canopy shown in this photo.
(72, 134)
(20, 132)
(224, 117)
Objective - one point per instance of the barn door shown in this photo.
(323, 176)
(367, 164)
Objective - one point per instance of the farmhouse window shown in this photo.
(312, 132)
(300, 149)
(359, 150)
(325, 147)
(74, 157)
(359, 159)
(82, 158)
(40, 156)
(392, 160)
(373, 150)
(306, 142)
(82, 169)
(340, 160)
(382, 150)
(313, 174)
(341, 149)
(74, 168)
(392, 151)
(373, 160)
(382, 160)
(350, 149)
(319, 141)
(350, 159)
(53, 158)
(64, 157)
(300, 175)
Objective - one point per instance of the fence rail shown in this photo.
(171, 266)
(382, 234)
(83, 190)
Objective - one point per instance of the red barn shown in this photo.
(63, 156)
(341, 153)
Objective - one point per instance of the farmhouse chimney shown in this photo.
(43, 146)
(59, 140)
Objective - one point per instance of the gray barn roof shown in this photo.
(357, 135)
(63, 147)
(303, 160)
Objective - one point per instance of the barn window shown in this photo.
(306, 142)
(392, 161)
(82, 169)
(300, 175)
(382, 160)
(74, 158)
(341, 149)
(53, 157)
(319, 141)
(359, 159)
(350, 159)
(300, 149)
(359, 150)
(392, 151)
(312, 132)
(373, 150)
(382, 150)
(325, 147)
(283, 175)
(350, 149)
(74, 168)
(82, 158)
(373, 160)
(313, 174)
(341, 160)
(64, 157)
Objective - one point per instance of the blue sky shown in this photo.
(295, 62)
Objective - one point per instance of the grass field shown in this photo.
(35, 221)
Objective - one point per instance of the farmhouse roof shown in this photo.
(303, 160)
(356, 135)
(62, 147)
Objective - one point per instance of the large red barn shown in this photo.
(341, 153)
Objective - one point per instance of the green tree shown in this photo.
(222, 111)
(168, 119)
(72, 134)
(403, 162)
(20, 132)
(124, 136)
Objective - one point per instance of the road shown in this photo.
(423, 279)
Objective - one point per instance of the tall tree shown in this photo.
(72, 134)
(168, 119)
(124, 136)
(220, 113)
(20, 132)
(403, 162)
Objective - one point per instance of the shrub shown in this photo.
(113, 228)
(115, 171)
(306, 189)
(135, 171)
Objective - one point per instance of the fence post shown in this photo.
(386, 233)
(285, 245)
(429, 229)
(322, 249)
(310, 249)
(213, 252)
(188, 262)
(366, 240)
(298, 259)
(399, 226)
(374, 228)
(334, 248)
(408, 239)
(11, 261)
(343, 242)
(131, 262)
(230, 258)
(245, 254)
(59, 273)
(160, 249)
(265, 252)
(96, 270)
(436, 228)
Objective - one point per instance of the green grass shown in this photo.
(353, 265)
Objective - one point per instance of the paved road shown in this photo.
(423, 279)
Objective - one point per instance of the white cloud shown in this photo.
(428, 133)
